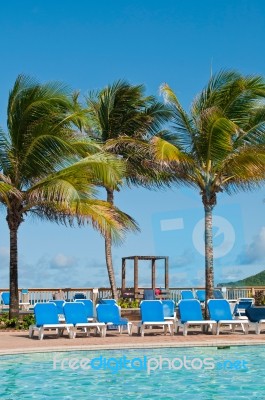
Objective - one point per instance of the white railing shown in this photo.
(39, 295)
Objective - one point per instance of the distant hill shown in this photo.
(254, 280)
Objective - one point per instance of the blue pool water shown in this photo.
(201, 373)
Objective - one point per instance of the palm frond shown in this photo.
(5, 151)
(99, 169)
(215, 140)
(8, 191)
(101, 215)
(254, 132)
(232, 93)
(183, 124)
(121, 109)
(142, 168)
(245, 167)
(167, 152)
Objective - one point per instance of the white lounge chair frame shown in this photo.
(167, 326)
(99, 327)
(203, 324)
(232, 324)
(59, 329)
(257, 326)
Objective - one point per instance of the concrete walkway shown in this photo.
(19, 342)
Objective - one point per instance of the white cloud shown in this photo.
(62, 261)
(237, 272)
(255, 251)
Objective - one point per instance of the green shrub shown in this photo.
(28, 320)
(16, 323)
(128, 303)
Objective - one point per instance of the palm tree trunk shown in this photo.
(209, 272)
(13, 275)
(209, 202)
(108, 252)
(14, 219)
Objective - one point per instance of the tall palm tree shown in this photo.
(46, 169)
(219, 145)
(122, 111)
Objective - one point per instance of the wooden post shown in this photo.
(153, 274)
(136, 277)
(166, 273)
(123, 276)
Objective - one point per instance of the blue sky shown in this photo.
(89, 44)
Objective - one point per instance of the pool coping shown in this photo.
(128, 346)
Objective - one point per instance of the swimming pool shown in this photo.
(167, 373)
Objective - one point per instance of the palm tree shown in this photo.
(46, 168)
(218, 146)
(121, 117)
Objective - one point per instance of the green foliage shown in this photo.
(28, 320)
(253, 280)
(123, 118)
(16, 323)
(128, 303)
(219, 145)
(50, 170)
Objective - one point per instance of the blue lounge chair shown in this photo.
(5, 299)
(89, 308)
(201, 295)
(191, 315)
(149, 294)
(75, 313)
(107, 301)
(169, 311)
(109, 314)
(187, 294)
(218, 294)
(46, 317)
(78, 296)
(241, 306)
(220, 311)
(59, 305)
(256, 316)
(152, 314)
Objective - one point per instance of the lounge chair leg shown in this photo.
(244, 328)
(214, 329)
(60, 332)
(41, 333)
(31, 330)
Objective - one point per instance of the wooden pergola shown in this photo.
(136, 259)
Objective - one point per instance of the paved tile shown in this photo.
(17, 342)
